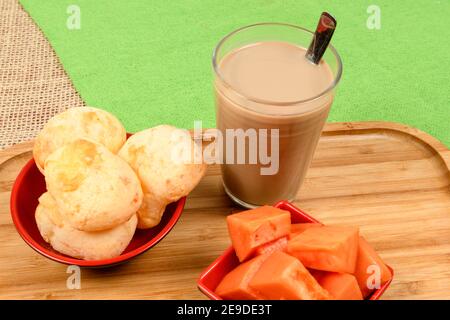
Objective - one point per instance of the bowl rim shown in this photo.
(23, 232)
(284, 205)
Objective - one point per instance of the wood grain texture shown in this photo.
(391, 180)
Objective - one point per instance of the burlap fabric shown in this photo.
(33, 84)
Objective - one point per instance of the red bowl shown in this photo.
(211, 277)
(29, 186)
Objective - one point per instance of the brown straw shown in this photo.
(321, 39)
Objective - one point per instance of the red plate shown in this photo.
(211, 277)
(29, 186)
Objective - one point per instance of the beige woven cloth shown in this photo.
(33, 84)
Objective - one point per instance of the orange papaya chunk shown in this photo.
(342, 286)
(298, 228)
(234, 286)
(327, 248)
(253, 228)
(283, 277)
(367, 257)
(271, 247)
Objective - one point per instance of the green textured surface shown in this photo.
(149, 61)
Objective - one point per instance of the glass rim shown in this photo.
(268, 102)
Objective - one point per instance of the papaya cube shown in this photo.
(253, 228)
(370, 272)
(298, 228)
(271, 247)
(234, 286)
(342, 286)
(327, 248)
(283, 277)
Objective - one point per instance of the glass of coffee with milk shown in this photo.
(274, 85)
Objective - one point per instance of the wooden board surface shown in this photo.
(391, 180)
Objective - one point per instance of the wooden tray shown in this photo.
(391, 180)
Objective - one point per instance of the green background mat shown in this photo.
(149, 62)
